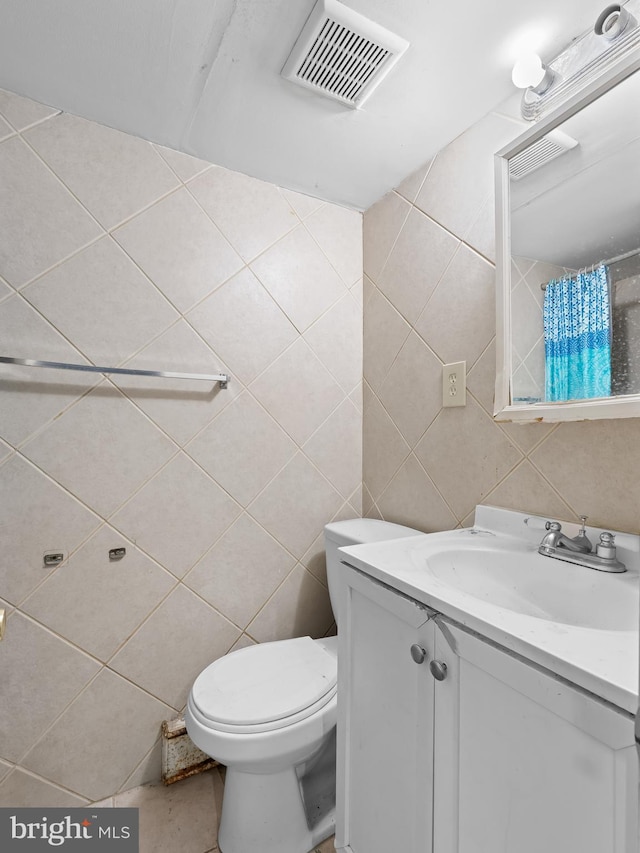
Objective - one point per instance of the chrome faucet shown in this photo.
(579, 549)
(557, 539)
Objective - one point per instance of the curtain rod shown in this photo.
(222, 378)
(615, 260)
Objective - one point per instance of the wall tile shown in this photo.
(411, 185)
(333, 448)
(32, 396)
(482, 234)
(299, 277)
(304, 205)
(41, 222)
(120, 449)
(184, 165)
(243, 449)
(241, 571)
(180, 249)
(481, 378)
(299, 607)
(177, 515)
(338, 232)
(412, 499)
(381, 225)
(5, 768)
(250, 213)
(295, 505)
(298, 376)
(36, 664)
(466, 454)
(97, 603)
(412, 391)
(27, 790)
(113, 448)
(385, 331)
(384, 448)
(23, 112)
(594, 466)
(461, 176)
(113, 174)
(530, 492)
(146, 772)
(243, 324)
(5, 130)
(102, 303)
(181, 407)
(199, 635)
(417, 261)
(459, 320)
(78, 752)
(336, 338)
(38, 516)
(5, 290)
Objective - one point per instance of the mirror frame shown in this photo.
(623, 406)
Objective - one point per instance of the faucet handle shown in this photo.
(553, 525)
(606, 547)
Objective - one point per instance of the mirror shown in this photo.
(568, 228)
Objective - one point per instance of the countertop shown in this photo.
(603, 662)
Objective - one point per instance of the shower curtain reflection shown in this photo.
(577, 334)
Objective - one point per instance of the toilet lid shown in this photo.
(265, 683)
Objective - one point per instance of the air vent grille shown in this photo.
(540, 153)
(341, 54)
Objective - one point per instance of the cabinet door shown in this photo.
(524, 762)
(385, 722)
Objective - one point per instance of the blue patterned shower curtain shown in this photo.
(577, 336)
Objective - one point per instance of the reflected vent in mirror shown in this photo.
(341, 54)
(540, 153)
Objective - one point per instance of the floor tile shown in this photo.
(179, 817)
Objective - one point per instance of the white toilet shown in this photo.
(268, 712)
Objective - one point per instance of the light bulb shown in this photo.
(529, 72)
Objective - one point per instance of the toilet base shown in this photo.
(267, 813)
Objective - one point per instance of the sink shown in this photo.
(504, 572)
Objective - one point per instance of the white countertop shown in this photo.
(604, 662)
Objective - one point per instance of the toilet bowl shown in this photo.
(268, 713)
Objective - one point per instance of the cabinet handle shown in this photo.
(418, 653)
(438, 670)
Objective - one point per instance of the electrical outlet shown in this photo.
(454, 384)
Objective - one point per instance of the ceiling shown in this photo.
(203, 76)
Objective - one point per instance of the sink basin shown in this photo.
(507, 573)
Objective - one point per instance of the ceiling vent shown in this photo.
(341, 54)
(540, 153)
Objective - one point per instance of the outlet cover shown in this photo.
(454, 384)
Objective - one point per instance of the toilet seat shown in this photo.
(265, 687)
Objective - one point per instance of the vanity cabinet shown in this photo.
(499, 756)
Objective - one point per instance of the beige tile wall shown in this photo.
(117, 252)
(429, 300)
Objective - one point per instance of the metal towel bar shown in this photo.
(221, 378)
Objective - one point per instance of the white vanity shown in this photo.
(487, 696)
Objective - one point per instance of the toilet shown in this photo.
(268, 713)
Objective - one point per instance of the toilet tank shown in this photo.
(354, 531)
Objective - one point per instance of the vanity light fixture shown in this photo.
(615, 34)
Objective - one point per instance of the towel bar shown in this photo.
(222, 378)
